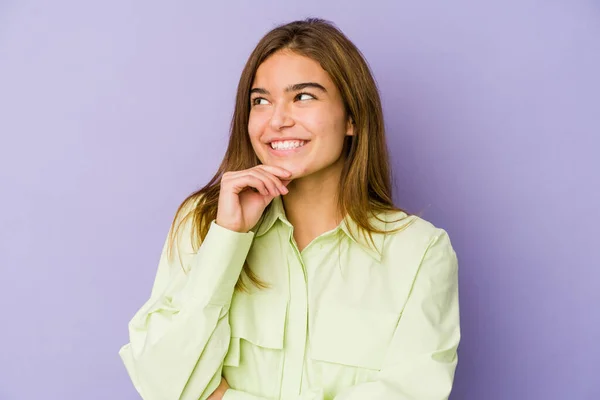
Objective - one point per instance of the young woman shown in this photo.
(291, 274)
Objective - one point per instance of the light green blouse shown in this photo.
(340, 320)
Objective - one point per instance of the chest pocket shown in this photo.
(352, 337)
(257, 331)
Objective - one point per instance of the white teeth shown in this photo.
(287, 144)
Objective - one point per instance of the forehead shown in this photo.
(287, 68)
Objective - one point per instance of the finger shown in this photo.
(242, 182)
(275, 181)
(277, 171)
(269, 172)
(271, 182)
(280, 180)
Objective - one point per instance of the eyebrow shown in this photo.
(293, 88)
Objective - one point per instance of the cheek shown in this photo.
(327, 124)
(318, 122)
(252, 125)
(256, 126)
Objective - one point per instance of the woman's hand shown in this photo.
(219, 391)
(245, 194)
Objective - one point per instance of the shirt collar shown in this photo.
(273, 212)
(362, 239)
(276, 211)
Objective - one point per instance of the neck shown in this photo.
(311, 205)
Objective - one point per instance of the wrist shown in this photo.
(231, 227)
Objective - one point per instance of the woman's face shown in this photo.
(297, 116)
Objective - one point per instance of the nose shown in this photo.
(281, 117)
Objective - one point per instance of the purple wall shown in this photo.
(111, 112)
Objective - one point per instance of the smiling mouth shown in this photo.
(282, 145)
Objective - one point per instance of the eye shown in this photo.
(257, 101)
(305, 96)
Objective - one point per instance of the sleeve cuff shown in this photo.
(217, 265)
(232, 394)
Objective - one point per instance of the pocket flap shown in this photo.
(351, 336)
(259, 319)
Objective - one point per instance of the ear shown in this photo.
(350, 126)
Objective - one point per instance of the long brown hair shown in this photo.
(365, 187)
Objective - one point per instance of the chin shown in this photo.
(296, 170)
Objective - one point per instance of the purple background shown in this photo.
(111, 112)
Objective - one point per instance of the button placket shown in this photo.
(296, 327)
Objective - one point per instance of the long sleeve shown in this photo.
(422, 358)
(180, 336)
(232, 394)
